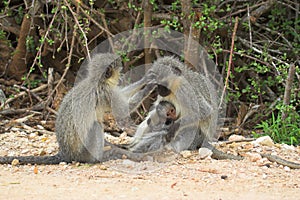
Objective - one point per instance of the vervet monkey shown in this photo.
(194, 98)
(156, 130)
(169, 74)
(79, 128)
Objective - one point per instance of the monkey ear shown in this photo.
(148, 121)
(163, 91)
(108, 72)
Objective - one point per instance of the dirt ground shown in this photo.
(187, 177)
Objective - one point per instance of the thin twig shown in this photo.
(38, 54)
(82, 31)
(249, 23)
(108, 36)
(42, 87)
(30, 92)
(230, 60)
(67, 66)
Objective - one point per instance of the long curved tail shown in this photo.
(46, 160)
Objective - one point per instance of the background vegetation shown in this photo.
(262, 66)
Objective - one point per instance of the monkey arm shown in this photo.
(136, 100)
(139, 90)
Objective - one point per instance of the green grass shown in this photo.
(282, 131)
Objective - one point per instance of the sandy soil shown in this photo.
(182, 178)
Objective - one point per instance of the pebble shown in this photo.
(15, 129)
(40, 127)
(265, 140)
(287, 169)
(235, 137)
(15, 162)
(264, 176)
(128, 162)
(24, 151)
(62, 163)
(33, 135)
(253, 156)
(204, 152)
(186, 154)
(288, 147)
(103, 167)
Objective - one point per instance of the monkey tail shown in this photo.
(46, 160)
(219, 155)
(281, 161)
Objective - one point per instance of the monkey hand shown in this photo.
(151, 77)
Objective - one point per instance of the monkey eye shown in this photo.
(163, 91)
(108, 72)
(176, 71)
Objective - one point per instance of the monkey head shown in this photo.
(107, 66)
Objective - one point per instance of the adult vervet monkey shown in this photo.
(79, 128)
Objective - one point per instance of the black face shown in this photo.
(176, 71)
(169, 121)
(163, 91)
(108, 72)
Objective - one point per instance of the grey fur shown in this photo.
(155, 131)
(196, 103)
(195, 100)
(79, 128)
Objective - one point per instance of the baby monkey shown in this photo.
(156, 130)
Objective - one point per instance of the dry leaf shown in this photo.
(173, 185)
(35, 169)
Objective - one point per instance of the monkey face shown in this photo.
(112, 73)
(108, 72)
(163, 91)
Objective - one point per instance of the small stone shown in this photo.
(186, 154)
(42, 152)
(204, 152)
(62, 163)
(128, 162)
(15, 162)
(123, 135)
(287, 169)
(32, 135)
(40, 127)
(253, 156)
(15, 129)
(224, 177)
(288, 147)
(24, 151)
(264, 167)
(103, 167)
(263, 162)
(235, 137)
(264, 176)
(265, 140)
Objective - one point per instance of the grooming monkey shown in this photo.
(79, 128)
(171, 88)
(194, 99)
